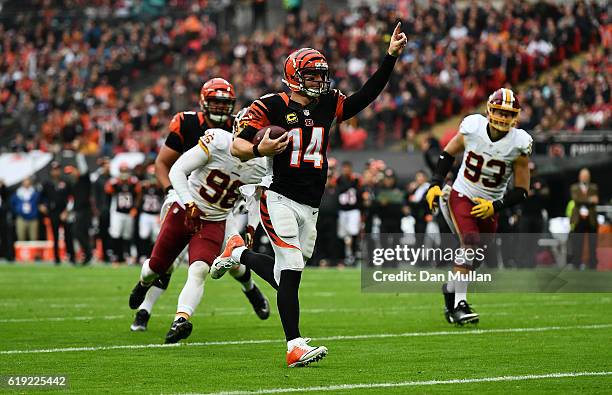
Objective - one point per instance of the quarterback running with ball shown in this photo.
(297, 161)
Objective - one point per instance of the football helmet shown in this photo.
(217, 99)
(302, 65)
(505, 100)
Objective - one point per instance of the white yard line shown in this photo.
(331, 338)
(344, 387)
(241, 312)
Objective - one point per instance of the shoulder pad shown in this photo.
(216, 139)
(524, 142)
(471, 124)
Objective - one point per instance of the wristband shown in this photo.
(256, 150)
(168, 189)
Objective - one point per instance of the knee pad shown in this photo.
(148, 272)
(198, 270)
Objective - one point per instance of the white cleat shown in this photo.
(224, 262)
(301, 354)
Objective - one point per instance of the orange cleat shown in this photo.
(301, 354)
(224, 262)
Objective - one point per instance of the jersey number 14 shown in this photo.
(313, 151)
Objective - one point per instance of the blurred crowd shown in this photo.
(68, 74)
(575, 99)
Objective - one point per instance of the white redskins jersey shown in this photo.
(215, 186)
(487, 166)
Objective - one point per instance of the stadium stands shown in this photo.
(73, 83)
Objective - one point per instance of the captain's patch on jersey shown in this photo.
(292, 117)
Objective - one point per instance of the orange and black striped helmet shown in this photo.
(302, 63)
(217, 99)
(505, 100)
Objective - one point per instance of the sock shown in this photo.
(237, 253)
(242, 274)
(147, 275)
(152, 295)
(261, 264)
(193, 289)
(461, 290)
(288, 303)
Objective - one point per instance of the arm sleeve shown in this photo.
(349, 107)
(186, 163)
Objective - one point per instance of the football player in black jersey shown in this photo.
(149, 206)
(217, 99)
(298, 159)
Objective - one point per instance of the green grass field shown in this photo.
(75, 322)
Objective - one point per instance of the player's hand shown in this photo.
(432, 196)
(271, 147)
(133, 212)
(193, 217)
(483, 208)
(249, 236)
(398, 41)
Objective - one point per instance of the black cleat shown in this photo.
(138, 295)
(259, 302)
(180, 329)
(463, 314)
(449, 303)
(140, 321)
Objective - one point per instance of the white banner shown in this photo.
(129, 158)
(15, 167)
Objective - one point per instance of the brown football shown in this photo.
(275, 132)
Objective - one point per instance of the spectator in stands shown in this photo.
(584, 220)
(18, 144)
(54, 204)
(25, 204)
(259, 8)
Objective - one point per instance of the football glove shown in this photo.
(193, 217)
(432, 196)
(483, 208)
